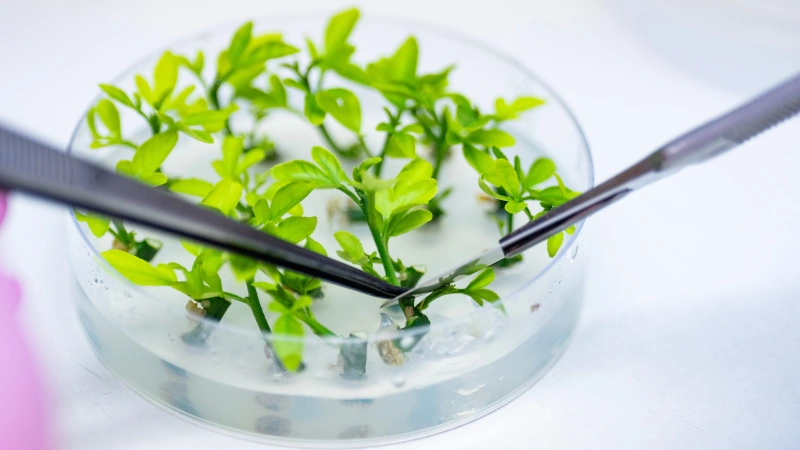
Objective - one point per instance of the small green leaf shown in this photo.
(243, 268)
(571, 230)
(224, 196)
(417, 169)
(342, 105)
(402, 145)
(315, 246)
(261, 210)
(295, 229)
(117, 94)
(139, 271)
(491, 193)
(165, 75)
(515, 207)
(250, 159)
(231, 152)
(312, 111)
(483, 163)
(364, 167)
(405, 60)
(109, 115)
(299, 170)
(98, 225)
(508, 178)
(409, 222)
(339, 28)
(540, 171)
(504, 111)
(287, 341)
(154, 179)
(144, 90)
(239, 42)
(329, 164)
(289, 196)
(484, 279)
(152, 153)
(353, 250)
(491, 138)
(554, 243)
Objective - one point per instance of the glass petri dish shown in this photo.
(470, 361)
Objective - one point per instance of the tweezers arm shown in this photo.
(35, 168)
(698, 145)
(733, 128)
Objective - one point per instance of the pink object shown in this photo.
(23, 419)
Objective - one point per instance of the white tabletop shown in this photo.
(688, 337)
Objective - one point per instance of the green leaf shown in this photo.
(239, 42)
(554, 243)
(515, 207)
(402, 145)
(404, 195)
(117, 94)
(154, 179)
(263, 286)
(312, 111)
(342, 105)
(144, 90)
(289, 196)
(364, 167)
(299, 170)
(408, 222)
(540, 171)
(417, 169)
(295, 229)
(98, 225)
(483, 163)
(571, 230)
(491, 138)
(109, 115)
(165, 75)
(329, 164)
(353, 251)
(484, 279)
(553, 196)
(139, 271)
(504, 111)
(490, 192)
(261, 210)
(231, 152)
(243, 268)
(287, 341)
(339, 28)
(508, 178)
(152, 153)
(405, 60)
(224, 196)
(315, 246)
(250, 159)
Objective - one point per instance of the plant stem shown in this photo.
(372, 221)
(255, 307)
(364, 146)
(440, 150)
(213, 96)
(528, 213)
(379, 165)
(316, 327)
(510, 223)
(335, 147)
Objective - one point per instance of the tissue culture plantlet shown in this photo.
(424, 121)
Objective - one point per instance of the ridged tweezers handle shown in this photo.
(733, 128)
(35, 168)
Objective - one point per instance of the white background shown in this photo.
(689, 337)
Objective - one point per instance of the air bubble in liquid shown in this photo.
(406, 342)
(398, 381)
